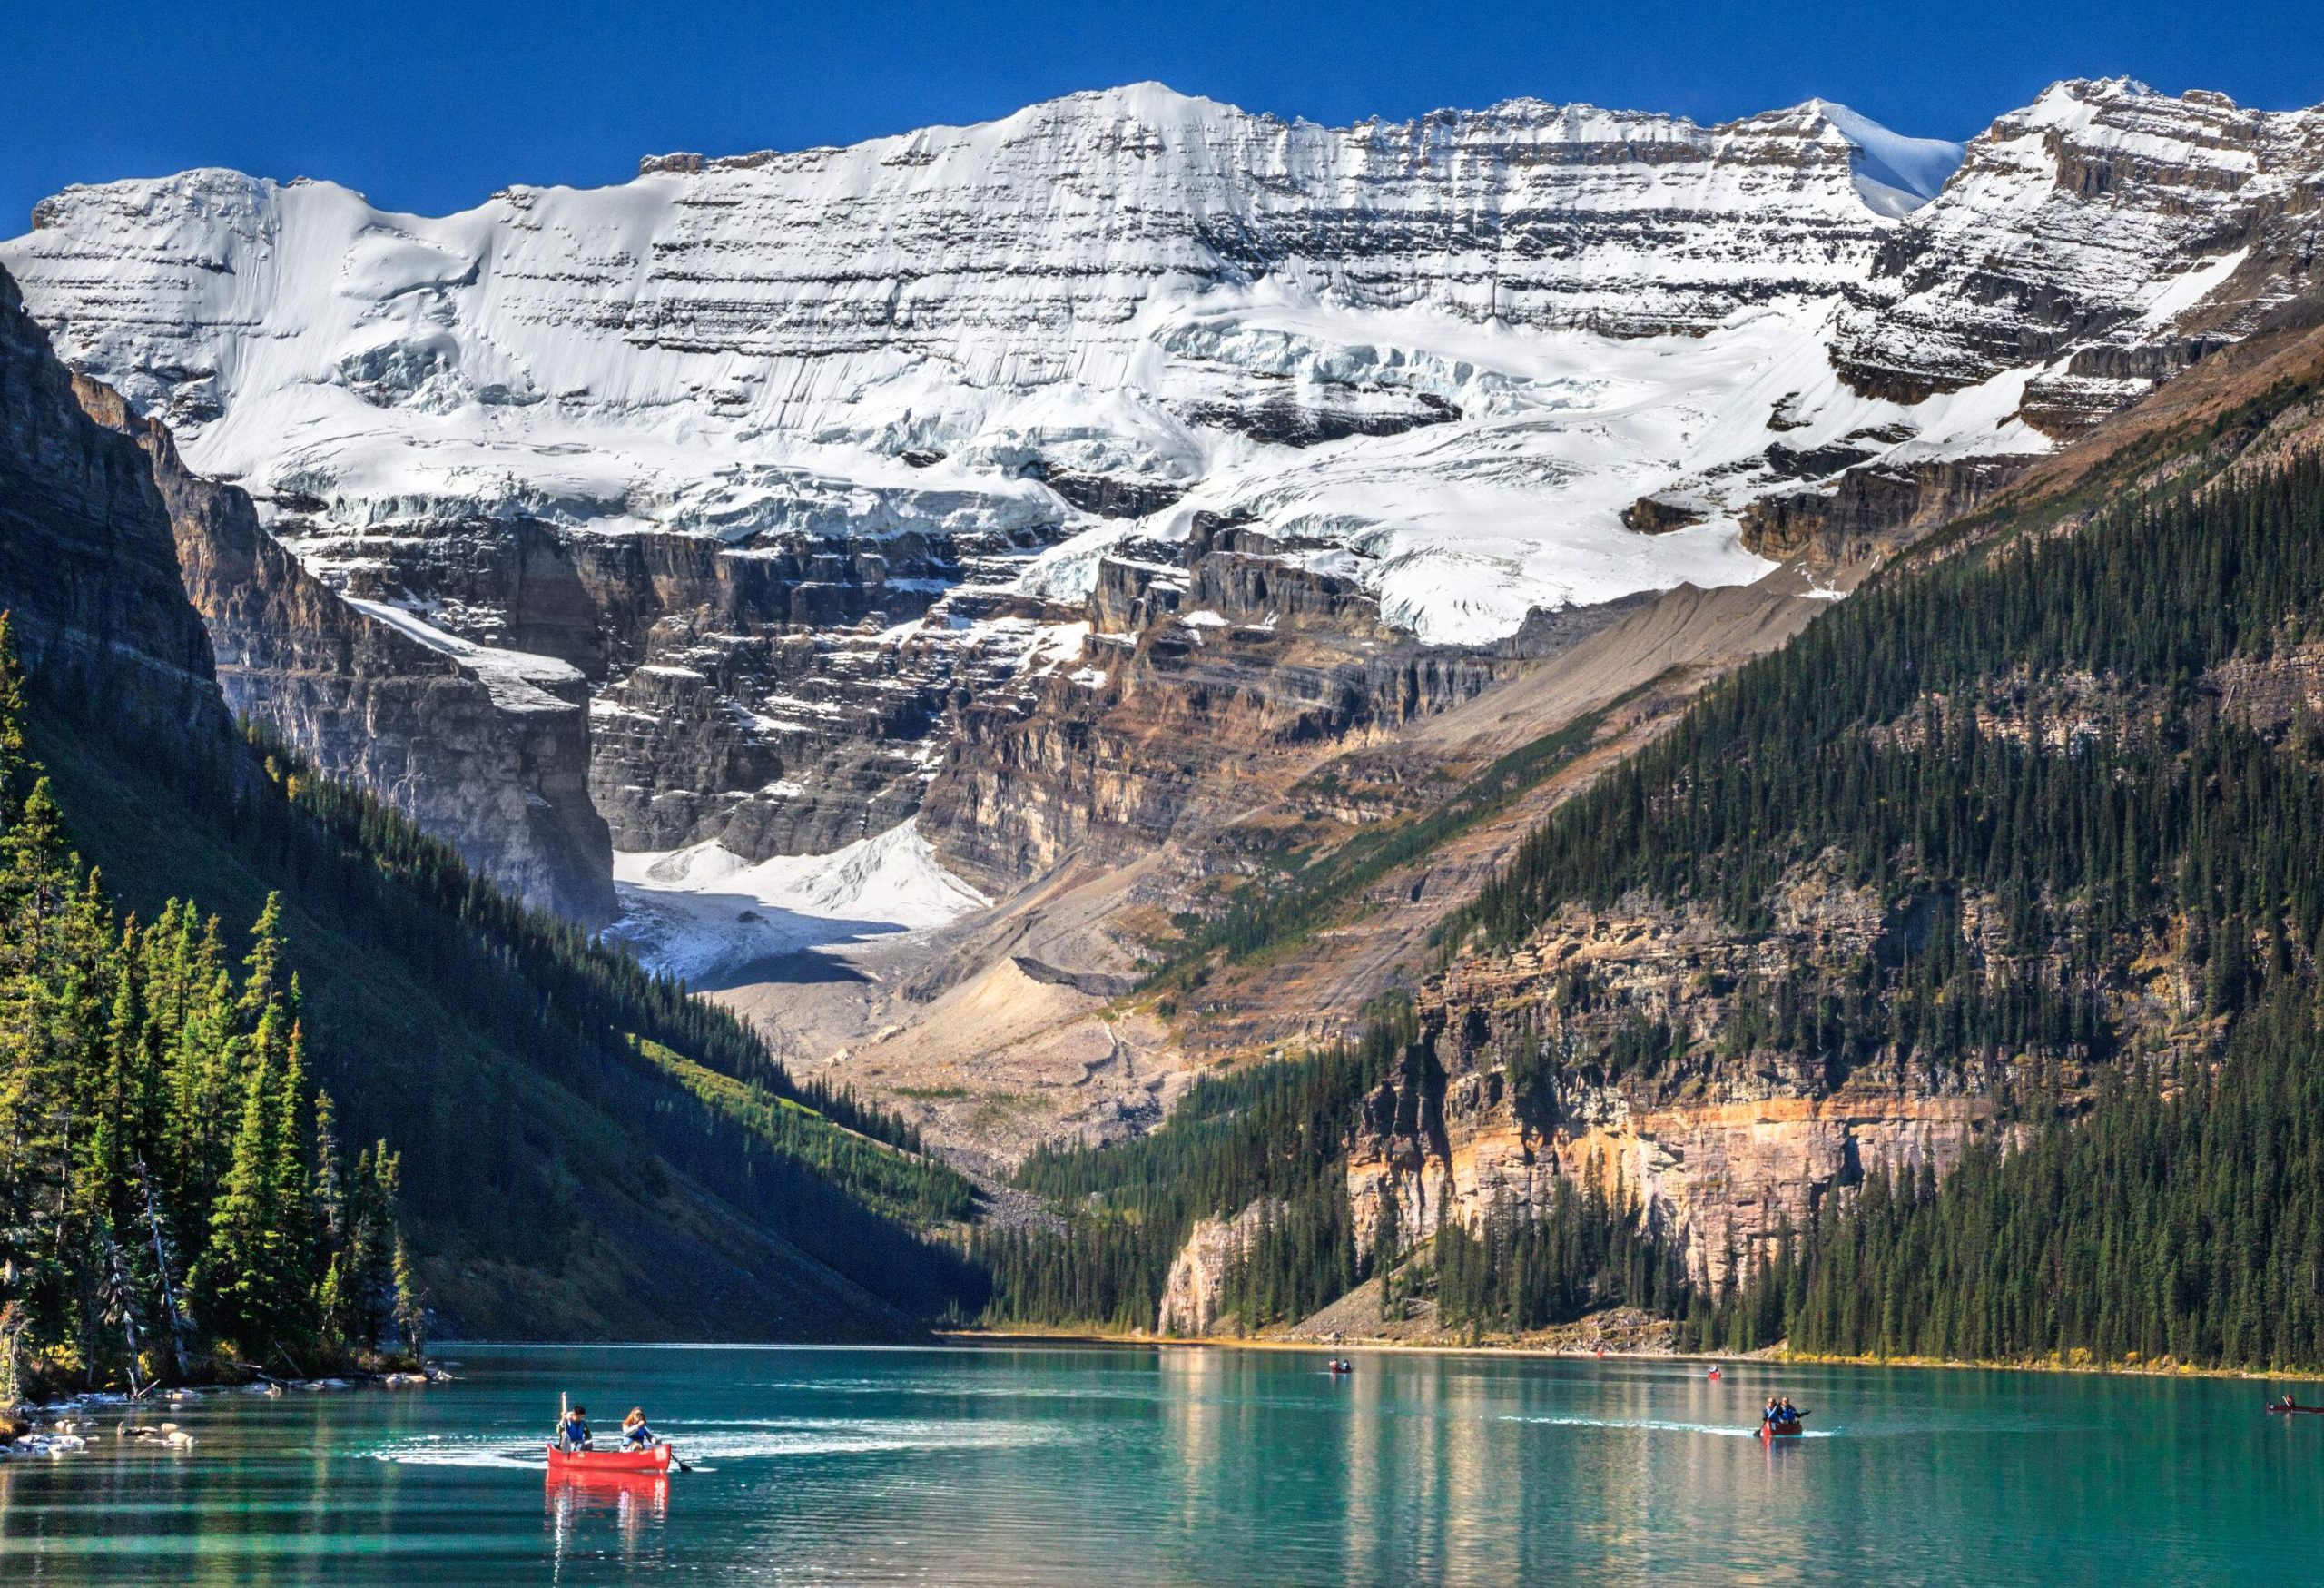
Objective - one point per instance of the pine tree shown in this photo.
(236, 1282)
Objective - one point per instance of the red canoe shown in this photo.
(652, 1459)
(1780, 1430)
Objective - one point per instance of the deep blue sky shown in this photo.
(428, 105)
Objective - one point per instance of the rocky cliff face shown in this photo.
(492, 756)
(1625, 1049)
(1126, 741)
(1196, 1285)
(88, 571)
(1873, 508)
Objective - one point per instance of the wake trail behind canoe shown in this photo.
(1662, 1426)
(741, 1439)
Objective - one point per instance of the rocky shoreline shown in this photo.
(71, 1420)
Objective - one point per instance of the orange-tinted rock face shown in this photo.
(1614, 1048)
(1725, 1178)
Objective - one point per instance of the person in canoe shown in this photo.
(573, 1434)
(2289, 1405)
(1780, 1416)
(635, 1433)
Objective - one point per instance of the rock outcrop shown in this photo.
(1653, 514)
(1873, 508)
(2048, 247)
(1604, 1053)
(1193, 1294)
(492, 755)
(1134, 738)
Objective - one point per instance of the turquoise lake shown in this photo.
(1033, 1467)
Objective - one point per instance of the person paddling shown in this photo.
(573, 1434)
(635, 1433)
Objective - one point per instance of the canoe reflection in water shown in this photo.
(580, 1502)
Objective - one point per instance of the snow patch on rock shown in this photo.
(704, 911)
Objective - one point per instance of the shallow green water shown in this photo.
(1039, 1466)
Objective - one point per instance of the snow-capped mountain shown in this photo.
(785, 451)
(1134, 285)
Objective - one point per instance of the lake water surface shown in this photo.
(1035, 1466)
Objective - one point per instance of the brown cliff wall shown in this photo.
(366, 703)
(1873, 509)
(1181, 724)
(1616, 1047)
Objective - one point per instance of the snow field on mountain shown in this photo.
(1439, 358)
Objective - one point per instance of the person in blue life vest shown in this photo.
(635, 1433)
(573, 1434)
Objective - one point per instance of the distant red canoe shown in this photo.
(654, 1460)
(2308, 1411)
(1780, 1430)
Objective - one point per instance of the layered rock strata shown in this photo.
(1138, 738)
(2052, 237)
(1603, 1053)
(808, 461)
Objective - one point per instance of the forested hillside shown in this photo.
(2073, 764)
(2111, 740)
(174, 1197)
(550, 1104)
(567, 1125)
(1274, 1134)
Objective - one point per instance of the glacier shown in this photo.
(705, 913)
